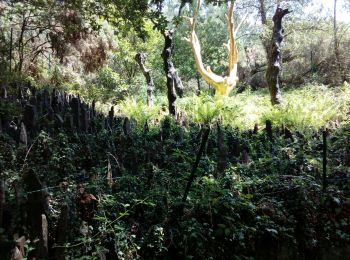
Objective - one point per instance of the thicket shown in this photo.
(116, 190)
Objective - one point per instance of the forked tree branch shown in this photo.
(222, 85)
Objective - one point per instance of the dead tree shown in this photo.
(339, 74)
(173, 80)
(140, 59)
(222, 85)
(274, 66)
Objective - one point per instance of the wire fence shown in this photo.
(278, 191)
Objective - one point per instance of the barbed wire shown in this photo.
(278, 191)
(340, 179)
(66, 186)
(46, 189)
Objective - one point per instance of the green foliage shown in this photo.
(276, 196)
(207, 109)
(312, 106)
(309, 107)
(139, 111)
(111, 84)
(122, 59)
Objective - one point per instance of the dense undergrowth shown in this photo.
(258, 198)
(255, 195)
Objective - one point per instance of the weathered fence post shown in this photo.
(324, 160)
(61, 233)
(36, 210)
(30, 117)
(269, 129)
(3, 91)
(111, 117)
(2, 198)
(43, 247)
(76, 112)
(222, 151)
(11, 39)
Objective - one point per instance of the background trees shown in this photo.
(76, 44)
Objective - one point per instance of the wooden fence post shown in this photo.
(324, 160)
(11, 39)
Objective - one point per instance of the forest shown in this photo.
(174, 129)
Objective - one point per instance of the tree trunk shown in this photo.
(21, 44)
(262, 11)
(198, 84)
(335, 30)
(173, 81)
(140, 58)
(275, 58)
(11, 43)
(179, 87)
(339, 73)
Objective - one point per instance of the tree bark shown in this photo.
(21, 44)
(169, 70)
(11, 43)
(198, 84)
(262, 11)
(275, 58)
(335, 30)
(140, 58)
(173, 80)
(179, 87)
(339, 74)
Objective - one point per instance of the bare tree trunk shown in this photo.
(335, 30)
(198, 84)
(21, 44)
(11, 43)
(140, 58)
(262, 11)
(339, 74)
(275, 58)
(169, 69)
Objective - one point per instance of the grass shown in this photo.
(308, 107)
